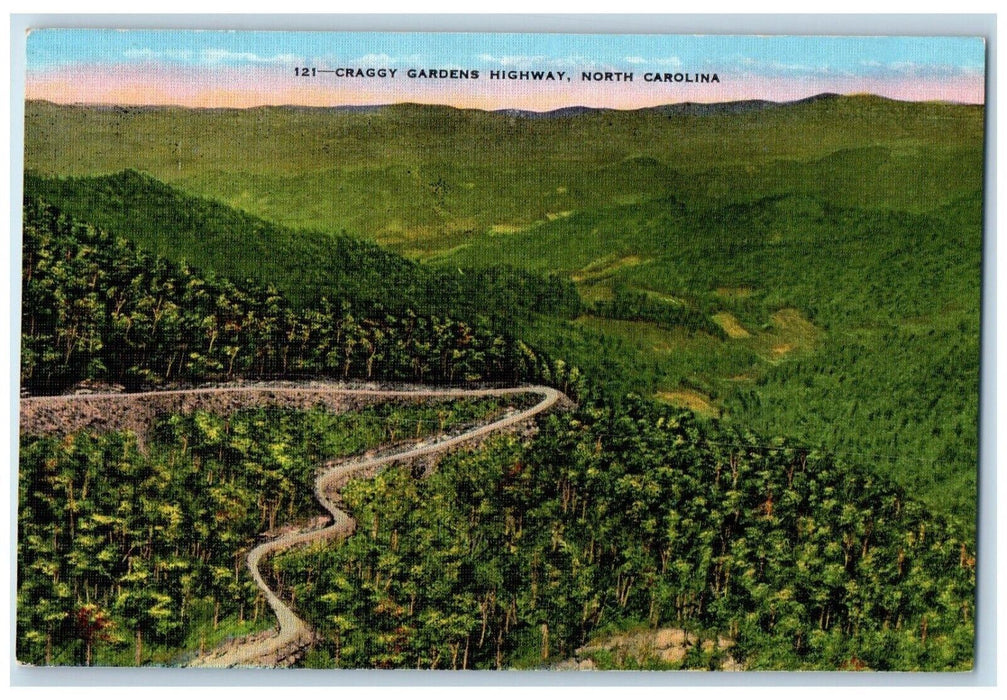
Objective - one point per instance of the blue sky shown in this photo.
(784, 55)
(775, 67)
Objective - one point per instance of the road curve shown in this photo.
(293, 634)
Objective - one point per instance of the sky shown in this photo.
(245, 69)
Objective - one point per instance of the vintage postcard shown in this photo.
(499, 351)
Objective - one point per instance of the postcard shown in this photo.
(472, 351)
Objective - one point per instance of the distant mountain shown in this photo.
(698, 109)
(350, 109)
(674, 108)
(574, 111)
(701, 109)
(423, 178)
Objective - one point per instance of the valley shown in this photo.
(767, 315)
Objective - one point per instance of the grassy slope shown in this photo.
(212, 236)
(862, 326)
(841, 234)
(421, 178)
(303, 265)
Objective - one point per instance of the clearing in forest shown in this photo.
(731, 325)
(606, 267)
(690, 399)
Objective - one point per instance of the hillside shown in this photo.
(768, 316)
(152, 577)
(305, 266)
(423, 178)
(848, 327)
(98, 309)
(820, 258)
(516, 555)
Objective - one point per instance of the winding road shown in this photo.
(293, 634)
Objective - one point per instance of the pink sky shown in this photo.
(157, 84)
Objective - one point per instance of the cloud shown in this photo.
(912, 69)
(539, 61)
(673, 61)
(514, 61)
(212, 56)
(867, 68)
(777, 69)
(148, 54)
(225, 56)
(374, 60)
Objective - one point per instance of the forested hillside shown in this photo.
(848, 327)
(835, 242)
(130, 556)
(518, 553)
(304, 265)
(514, 554)
(768, 317)
(95, 307)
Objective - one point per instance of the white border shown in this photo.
(994, 291)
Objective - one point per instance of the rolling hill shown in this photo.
(423, 178)
(835, 242)
(804, 278)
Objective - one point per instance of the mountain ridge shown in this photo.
(686, 107)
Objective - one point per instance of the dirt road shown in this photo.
(116, 411)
